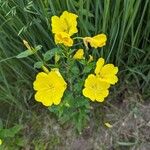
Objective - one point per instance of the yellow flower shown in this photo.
(79, 54)
(63, 38)
(96, 41)
(63, 27)
(67, 23)
(1, 141)
(50, 87)
(106, 72)
(95, 89)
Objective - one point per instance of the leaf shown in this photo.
(85, 12)
(11, 132)
(19, 141)
(126, 143)
(24, 54)
(83, 62)
(37, 48)
(38, 64)
(88, 68)
(29, 52)
(50, 53)
(75, 70)
(78, 86)
(81, 103)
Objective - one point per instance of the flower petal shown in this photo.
(79, 54)
(99, 41)
(63, 38)
(57, 25)
(99, 65)
(70, 21)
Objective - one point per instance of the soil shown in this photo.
(130, 122)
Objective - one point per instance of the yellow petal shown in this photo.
(41, 81)
(86, 40)
(45, 97)
(98, 41)
(57, 25)
(79, 54)
(101, 95)
(108, 73)
(90, 79)
(99, 65)
(63, 38)
(88, 93)
(108, 125)
(70, 21)
(109, 69)
(57, 99)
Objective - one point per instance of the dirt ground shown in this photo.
(128, 115)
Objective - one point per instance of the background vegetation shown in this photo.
(125, 22)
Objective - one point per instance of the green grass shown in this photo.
(126, 24)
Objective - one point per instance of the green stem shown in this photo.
(36, 54)
(80, 38)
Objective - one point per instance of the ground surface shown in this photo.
(128, 115)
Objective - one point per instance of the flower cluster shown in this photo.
(96, 86)
(50, 85)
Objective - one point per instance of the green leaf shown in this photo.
(24, 54)
(20, 141)
(88, 68)
(29, 52)
(38, 64)
(50, 53)
(11, 132)
(37, 48)
(75, 69)
(79, 85)
(81, 102)
(85, 12)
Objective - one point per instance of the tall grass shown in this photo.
(126, 24)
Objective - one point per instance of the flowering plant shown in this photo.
(72, 74)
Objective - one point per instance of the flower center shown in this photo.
(51, 87)
(100, 75)
(94, 87)
(68, 26)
